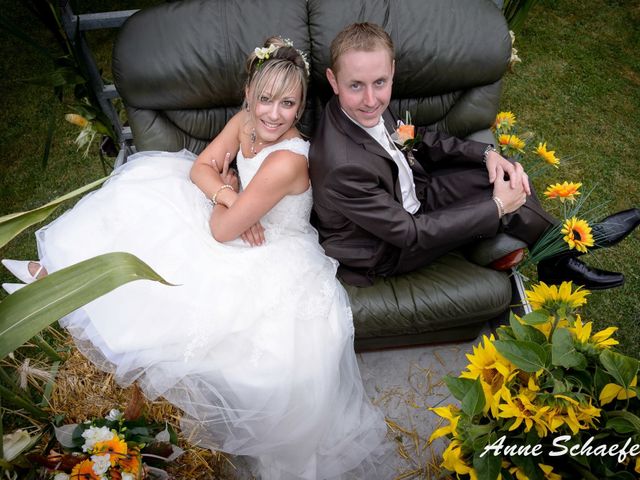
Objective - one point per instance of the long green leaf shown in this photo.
(12, 224)
(27, 311)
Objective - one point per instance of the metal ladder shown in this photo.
(75, 26)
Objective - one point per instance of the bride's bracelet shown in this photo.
(215, 195)
(500, 206)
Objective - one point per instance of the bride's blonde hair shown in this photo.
(279, 73)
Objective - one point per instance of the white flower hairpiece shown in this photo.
(264, 53)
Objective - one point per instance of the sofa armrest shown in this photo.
(494, 249)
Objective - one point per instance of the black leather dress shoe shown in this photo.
(564, 269)
(614, 228)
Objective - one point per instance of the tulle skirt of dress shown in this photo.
(254, 344)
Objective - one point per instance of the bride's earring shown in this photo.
(245, 105)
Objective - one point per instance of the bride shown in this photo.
(255, 341)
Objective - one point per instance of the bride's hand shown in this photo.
(254, 236)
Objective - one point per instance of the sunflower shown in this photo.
(522, 409)
(492, 369)
(504, 121)
(450, 413)
(548, 472)
(84, 471)
(511, 141)
(577, 234)
(563, 191)
(549, 156)
(116, 448)
(453, 460)
(601, 340)
(575, 415)
(612, 391)
(552, 298)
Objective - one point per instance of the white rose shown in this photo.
(114, 415)
(94, 435)
(61, 476)
(101, 463)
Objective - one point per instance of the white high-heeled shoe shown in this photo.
(20, 269)
(12, 287)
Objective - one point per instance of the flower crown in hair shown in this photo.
(264, 53)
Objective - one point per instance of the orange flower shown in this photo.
(563, 191)
(511, 141)
(84, 471)
(577, 234)
(548, 156)
(130, 462)
(115, 447)
(405, 132)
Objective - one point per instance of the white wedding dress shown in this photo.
(254, 344)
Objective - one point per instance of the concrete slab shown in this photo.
(405, 383)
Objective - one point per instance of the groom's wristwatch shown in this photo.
(490, 148)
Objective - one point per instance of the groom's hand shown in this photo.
(498, 167)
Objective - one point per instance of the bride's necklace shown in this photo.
(253, 137)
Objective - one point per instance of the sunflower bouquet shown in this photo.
(574, 232)
(110, 448)
(544, 398)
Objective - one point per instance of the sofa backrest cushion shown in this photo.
(179, 67)
(450, 56)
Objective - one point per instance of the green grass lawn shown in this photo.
(578, 87)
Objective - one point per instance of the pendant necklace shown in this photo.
(253, 137)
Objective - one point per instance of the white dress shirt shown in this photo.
(405, 175)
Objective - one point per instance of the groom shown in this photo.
(380, 213)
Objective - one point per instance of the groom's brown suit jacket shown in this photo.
(358, 201)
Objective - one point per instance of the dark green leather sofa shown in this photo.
(179, 69)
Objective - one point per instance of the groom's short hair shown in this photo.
(363, 37)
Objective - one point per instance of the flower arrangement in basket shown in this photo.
(546, 398)
(111, 448)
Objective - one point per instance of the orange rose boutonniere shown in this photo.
(405, 137)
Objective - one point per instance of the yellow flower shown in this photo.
(548, 472)
(116, 448)
(570, 412)
(637, 467)
(511, 141)
(582, 333)
(450, 413)
(551, 298)
(612, 390)
(522, 410)
(520, 475)
(577, 234)
(76, 119)
(84, 470)
(602, 338)
(549, 156)
(492, 369)
(452, 459)
(563, 191)
(504, 121)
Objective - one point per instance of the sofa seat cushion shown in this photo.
(450, 294)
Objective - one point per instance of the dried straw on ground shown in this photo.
(83, 392)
